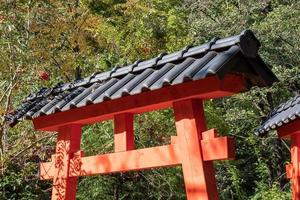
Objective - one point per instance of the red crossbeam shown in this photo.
(289, 129)
(221, 148)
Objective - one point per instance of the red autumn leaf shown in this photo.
(43, 75)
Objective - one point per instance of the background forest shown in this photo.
(57, 36)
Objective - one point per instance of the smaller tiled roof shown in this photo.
(232, 55)
(283, 114)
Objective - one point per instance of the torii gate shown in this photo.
(181, 81)
(286, 120)
(194, 147)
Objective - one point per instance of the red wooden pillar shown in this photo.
(124, 136)
(295, 155)
(68, 142)
(199, 175)
(292, 131)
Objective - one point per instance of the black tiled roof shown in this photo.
(283, 114)
(236, 55)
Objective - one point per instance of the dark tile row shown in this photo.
(283, 114)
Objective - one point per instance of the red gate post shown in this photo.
(68, 142)
(292, 131)
(198, 175)
(295, 154)
(293, 169)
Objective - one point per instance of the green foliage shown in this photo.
(265, 192)
(57, 36)
(21, 182)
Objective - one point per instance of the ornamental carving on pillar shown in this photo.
(61, 164)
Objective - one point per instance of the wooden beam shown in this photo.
(140, 159)
(289, 170)
(217, 148)
(211, 87)
(222, 148)
(123, 128)
(162, 156)
(289, 129)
